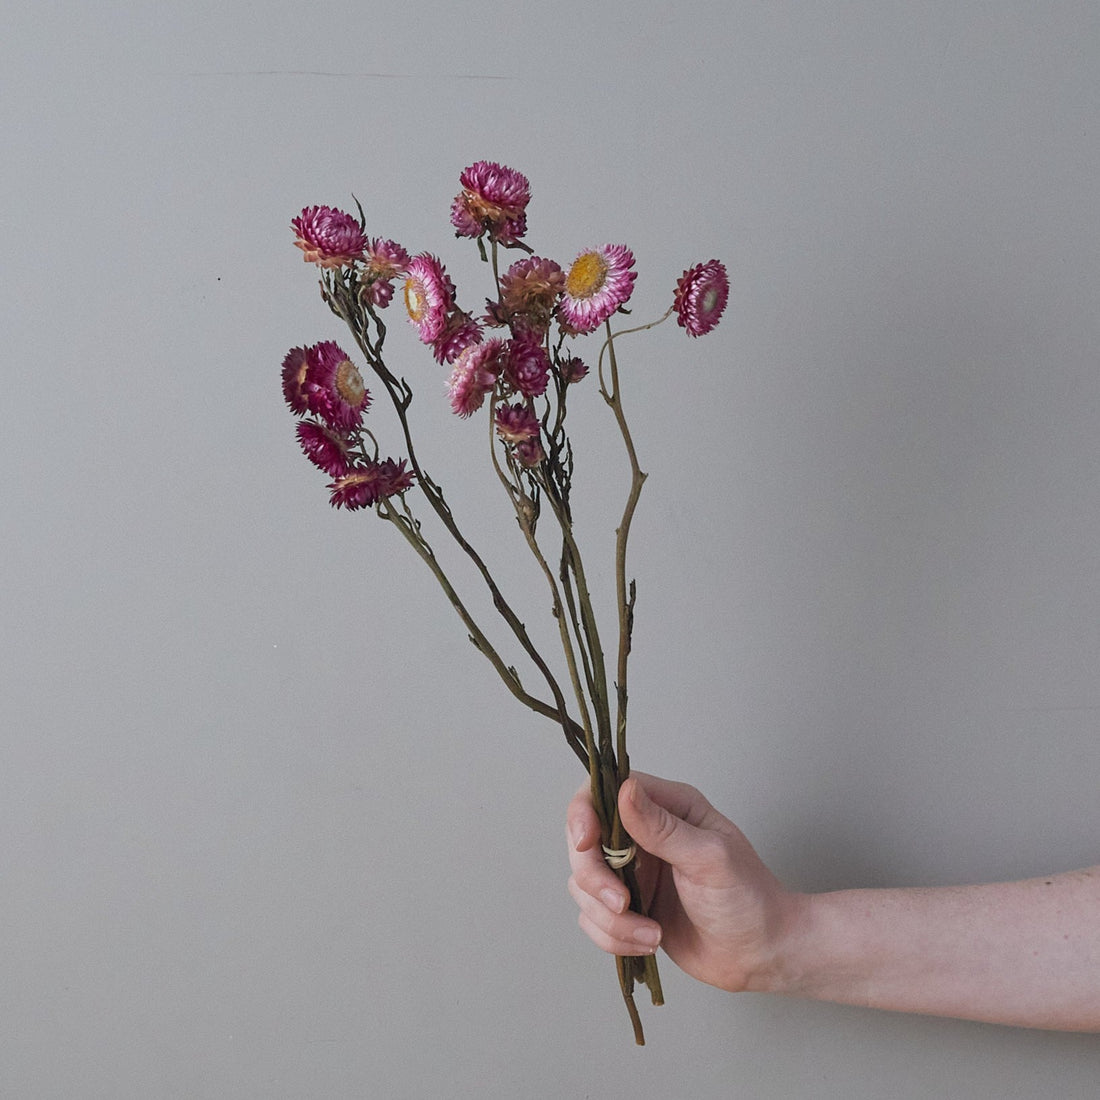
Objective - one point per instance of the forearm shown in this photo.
(1023, 953)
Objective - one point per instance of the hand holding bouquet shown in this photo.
(518, 361)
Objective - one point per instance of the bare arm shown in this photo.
(1023, 953)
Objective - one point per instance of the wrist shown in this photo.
(783, 966)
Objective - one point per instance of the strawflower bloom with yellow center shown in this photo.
(336, 390)
(599, 281)
(328, 237)
(429, 296)
(701, 295)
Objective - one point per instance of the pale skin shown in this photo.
(1021, 953)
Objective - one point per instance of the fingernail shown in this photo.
(648, 934)
(613, 900)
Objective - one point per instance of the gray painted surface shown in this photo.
(268, 827)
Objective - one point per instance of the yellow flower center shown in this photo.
(587, 275)
(415, 302)
(349, 383)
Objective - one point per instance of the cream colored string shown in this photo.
(618, 857)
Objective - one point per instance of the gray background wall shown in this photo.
(268, 827)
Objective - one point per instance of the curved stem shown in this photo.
(407, 527)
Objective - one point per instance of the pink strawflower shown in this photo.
(358, 488)
(516, 423)
(336, 389)
(529, 453)
(385, 259)
(429, 295)
(295, 390)
(378, 292)
(530, 288)
(598, 283)
(527, 366)
(324, 447)
(460, 330)
(328, 237)
(474, 375)
(493, 200)
(572, 369)
(701, 295)
(395, 478)
(365, 485)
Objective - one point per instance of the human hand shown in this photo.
(714, 906)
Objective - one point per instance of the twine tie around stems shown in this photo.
(618, 857)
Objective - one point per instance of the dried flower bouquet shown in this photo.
(519, 358)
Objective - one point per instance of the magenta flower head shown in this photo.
(516, 423)
(365, 485)
(459, 331)
(493, 200)
(295, 390)
(324, 447)
(395, 478)
(529, 452)
(335, 387)
(474, 376)
(384, 261)
(328, 237)
(701, 295)
(598, 283)
(572, 369)
(429, 296)
(527, 366)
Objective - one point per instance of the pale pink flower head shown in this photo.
(530, 289)
(701, 295)
(336, 391)
(493, 200)
(516, 423)
(475, 374)
(599, 281)
(324, 447)
(429, 296)
(328, 237)
(527, 366)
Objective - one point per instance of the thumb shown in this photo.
(653, 827)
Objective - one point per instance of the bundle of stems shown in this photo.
(598, 735)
